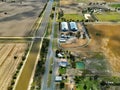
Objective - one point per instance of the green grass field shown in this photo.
(115, 5)
(108, 16)
(94, 84)
(74, 17)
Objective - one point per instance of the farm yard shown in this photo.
(10, 57)
(18, 19)
(104, 38)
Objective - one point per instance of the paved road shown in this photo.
(44, 85)
(55, 65)
(45, 19)
(24, 79)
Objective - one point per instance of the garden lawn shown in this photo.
(62, 70)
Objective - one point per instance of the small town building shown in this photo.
(63, 64)
(58, 78)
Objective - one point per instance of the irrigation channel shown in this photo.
(28, 68)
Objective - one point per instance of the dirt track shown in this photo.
(8, 64)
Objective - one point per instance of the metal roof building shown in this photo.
(64, 26)
(73, 26)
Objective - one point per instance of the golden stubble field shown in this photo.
(68, 2)
(108, 42)
(8, 64)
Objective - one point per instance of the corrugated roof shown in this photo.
(64, 25)
(73, 26)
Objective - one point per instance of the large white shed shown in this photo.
(64, 26)
(73, 26)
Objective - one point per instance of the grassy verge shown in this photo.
(48, 32)
(50, 72)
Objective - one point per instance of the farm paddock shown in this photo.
(10, 57)
(106, 38)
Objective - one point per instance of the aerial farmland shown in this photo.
(60, 45)
(11, 56)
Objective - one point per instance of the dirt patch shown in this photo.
(8, 64)
(74, 43)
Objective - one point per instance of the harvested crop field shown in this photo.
(68, 2)
(106, 39)
(111, 0)
(17, 19)
(9, 64)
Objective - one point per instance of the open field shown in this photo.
(85, 1)
(106, 38)
(71, 7)
(8, 64)
(108, 16)
(112, 0)
(74, 17)
(115, 5)
(97, 0)
(18, 19)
